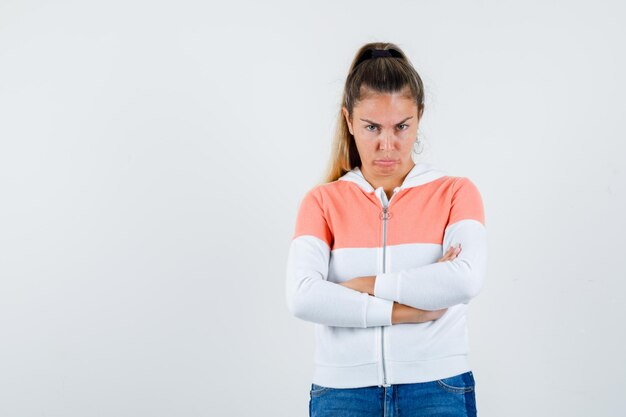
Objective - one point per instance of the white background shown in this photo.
(153, 155)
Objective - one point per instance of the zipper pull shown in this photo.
(385, 214)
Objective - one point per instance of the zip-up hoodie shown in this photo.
(346, 229)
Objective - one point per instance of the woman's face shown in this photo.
(384, 127)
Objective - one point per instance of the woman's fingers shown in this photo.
(451, 253)
(455, 250)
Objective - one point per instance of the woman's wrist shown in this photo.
(399, 313)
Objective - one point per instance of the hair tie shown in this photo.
(378, 53)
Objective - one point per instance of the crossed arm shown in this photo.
(368, 283)
(355, 303)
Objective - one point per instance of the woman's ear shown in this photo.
(347, 116)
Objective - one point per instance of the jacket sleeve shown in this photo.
(309, 294)
(444, 284)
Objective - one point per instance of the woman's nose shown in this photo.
(386, 141)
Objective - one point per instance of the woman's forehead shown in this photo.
(386, 106)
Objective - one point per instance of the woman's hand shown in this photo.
(451, 253)
(402, 313)
(361, 284)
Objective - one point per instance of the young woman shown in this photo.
(385, 257)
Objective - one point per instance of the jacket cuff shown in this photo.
(386, 286)
(378, 311)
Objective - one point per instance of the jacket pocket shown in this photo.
(458, 384)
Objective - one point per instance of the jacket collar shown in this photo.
(421, 173)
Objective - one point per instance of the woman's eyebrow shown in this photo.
(378, 124)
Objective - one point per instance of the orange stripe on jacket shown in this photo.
(338, 213)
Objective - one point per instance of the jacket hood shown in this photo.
(421, 173)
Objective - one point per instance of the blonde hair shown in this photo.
(369, 76)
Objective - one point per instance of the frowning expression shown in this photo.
(384, 127)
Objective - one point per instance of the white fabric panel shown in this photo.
(311, 297)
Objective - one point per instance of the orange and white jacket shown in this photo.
(346, 229)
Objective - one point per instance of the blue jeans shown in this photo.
(448, 397)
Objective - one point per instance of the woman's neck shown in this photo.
(388, 182)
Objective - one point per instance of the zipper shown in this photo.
(382, 328)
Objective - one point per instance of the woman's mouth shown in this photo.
(385, 162)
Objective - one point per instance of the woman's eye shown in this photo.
(402, 124)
